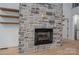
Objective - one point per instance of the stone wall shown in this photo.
(41, 15)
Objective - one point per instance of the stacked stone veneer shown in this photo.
(39, 16)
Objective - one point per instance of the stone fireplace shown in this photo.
(40, 26)
(43, 36)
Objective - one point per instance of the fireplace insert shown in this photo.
(43, 36)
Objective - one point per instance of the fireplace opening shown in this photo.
(43, 36)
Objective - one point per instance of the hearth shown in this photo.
(43, 36)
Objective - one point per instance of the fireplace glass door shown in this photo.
(43, 36)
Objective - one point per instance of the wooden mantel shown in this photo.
(9, 9)
(9, 16)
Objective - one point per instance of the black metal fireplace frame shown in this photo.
(42, 42)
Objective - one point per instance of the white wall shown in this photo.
(9, 32)
(69, 13)
(75, 11)
(10, 5)
(8, 35)
(4, 19)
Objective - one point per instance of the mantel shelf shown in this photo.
(9, 16)
(9, 22)
(9, 9)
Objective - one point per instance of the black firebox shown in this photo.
(43, 36)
